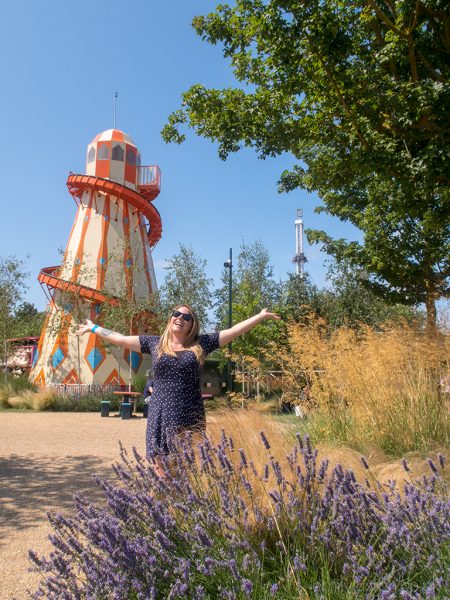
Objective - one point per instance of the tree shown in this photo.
(254, 288)
(28, 320)
(359, 93)
(12, 287)
(351, 302)
(186, 282)
(301, 298)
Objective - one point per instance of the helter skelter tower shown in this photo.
(108, 254)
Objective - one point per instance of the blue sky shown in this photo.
(61, 64)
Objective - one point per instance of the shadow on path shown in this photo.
(32, 485)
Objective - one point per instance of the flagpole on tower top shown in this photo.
(115, 107)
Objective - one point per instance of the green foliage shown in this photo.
(86, 403)
(349, 301)
(17, 384)
(301, 298)
(139, 383)
(12, 288)
(130, 315)
(186, 282)
(352, 302)
(359, 93)
(13, 385)
(28, 321)
(254, 288)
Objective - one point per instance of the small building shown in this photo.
(20, 354)
(213, 382)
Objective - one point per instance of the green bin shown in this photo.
(126, 410)
(105, 404)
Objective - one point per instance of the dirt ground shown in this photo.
(46, 457)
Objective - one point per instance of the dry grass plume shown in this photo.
(379, 387)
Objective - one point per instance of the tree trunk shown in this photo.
(430, 304)
(5, 360)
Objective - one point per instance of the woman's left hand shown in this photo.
(266, 314)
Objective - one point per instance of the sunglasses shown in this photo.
(185, 316)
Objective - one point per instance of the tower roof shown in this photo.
(113, 134)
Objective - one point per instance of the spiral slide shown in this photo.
(140, 200)
(77, 184)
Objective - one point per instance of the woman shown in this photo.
(148, 390)
(177, 357)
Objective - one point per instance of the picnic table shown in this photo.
(127, 397)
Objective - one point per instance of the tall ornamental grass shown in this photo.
(11, 385)
(45, 399)
(215, 526)
(372, 387)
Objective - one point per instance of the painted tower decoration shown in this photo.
(108, 252)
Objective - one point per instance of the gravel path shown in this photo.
(44, 459)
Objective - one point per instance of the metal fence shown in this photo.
(83, 389)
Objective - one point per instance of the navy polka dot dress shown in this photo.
(176, 403)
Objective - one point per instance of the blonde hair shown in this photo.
(191, 342)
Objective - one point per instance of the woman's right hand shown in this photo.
(84, 327)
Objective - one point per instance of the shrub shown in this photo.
(46, 399)
(139, 383)
(216, 527)
(5, 393)
(41, 400)
(16, 383)
(86, 403)
(11, 386)
(372, 386)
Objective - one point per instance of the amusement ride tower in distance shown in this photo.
(108, 254)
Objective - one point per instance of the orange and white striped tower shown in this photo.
(108, 254)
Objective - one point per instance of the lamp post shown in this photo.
(229, 265)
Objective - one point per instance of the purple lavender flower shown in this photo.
(323, 469)
(432, 466)
(247, 587)
(299, 564)
(264, 440)
(243, 457)
(389, 592)
(364, 462)
(161, 537)
(179, 588)
(203, 537)
(277, 470)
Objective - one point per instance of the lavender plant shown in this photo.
(215, 527)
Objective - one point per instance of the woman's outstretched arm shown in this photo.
(228, 335)
(131, 342)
